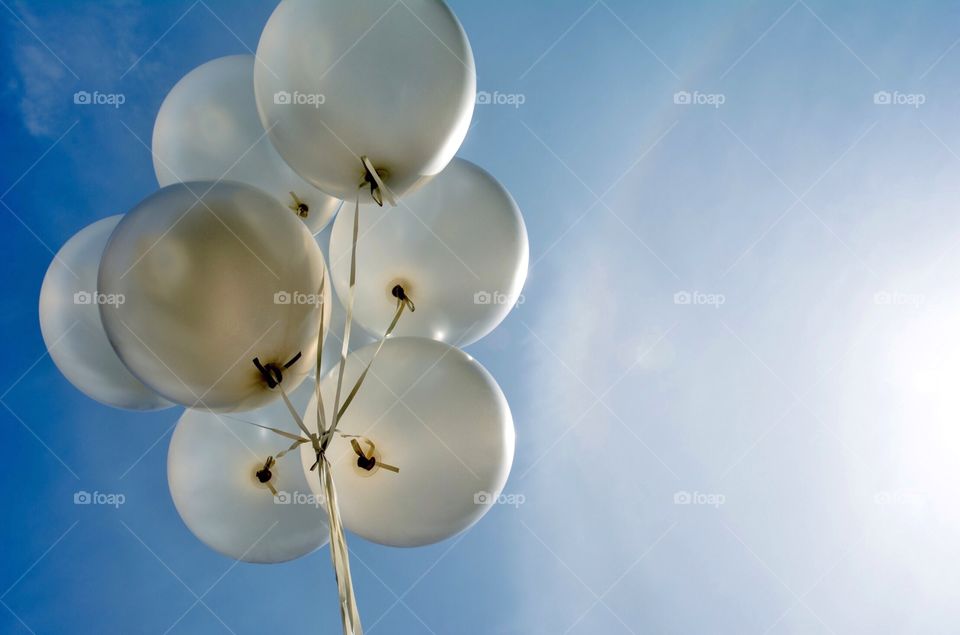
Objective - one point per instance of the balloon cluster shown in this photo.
(213, 293)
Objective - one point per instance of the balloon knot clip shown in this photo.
(367, 460)
(272, 374)
(401, 296)
(293, 360)
(373, 178)
(299, 207)
(264, 475)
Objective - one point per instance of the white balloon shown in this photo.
(458, 247)
(392, 81)
(209, 284)
(437, 415)
(212, 467)
(71, 326)
(208, 129)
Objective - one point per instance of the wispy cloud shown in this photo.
(52, 55)
(40, 87)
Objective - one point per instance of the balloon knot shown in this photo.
(373, 178)
(264, 474)
(402, 296)
(367, 460)
(271, 373)
(302, 209)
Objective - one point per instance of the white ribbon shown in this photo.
(340, 554)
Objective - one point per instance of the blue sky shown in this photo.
(733, 375)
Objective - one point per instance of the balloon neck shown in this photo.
(369, 459)
(271, 373)
(299, 207)
(265, 474)
(374, 178)
(399, 291)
